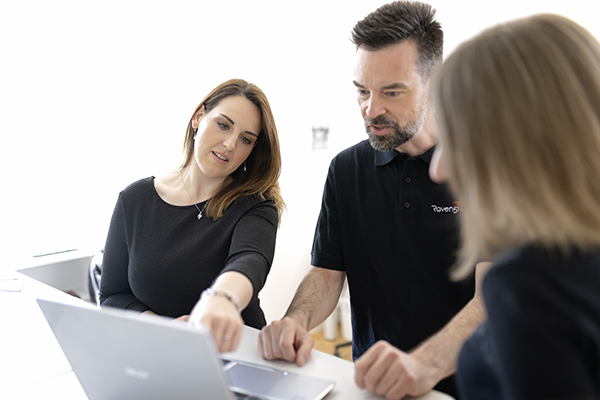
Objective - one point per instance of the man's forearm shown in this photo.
(316, 297)
(440, 352)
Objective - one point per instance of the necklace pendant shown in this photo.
(199, 215)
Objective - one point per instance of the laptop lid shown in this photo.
(118, 354)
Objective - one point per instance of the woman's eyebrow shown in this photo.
(233, 123)
(228, 119)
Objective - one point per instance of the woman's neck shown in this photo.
(198, 186)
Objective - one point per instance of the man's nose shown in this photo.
(374, 107)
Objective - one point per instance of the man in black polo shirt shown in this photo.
(386, 226)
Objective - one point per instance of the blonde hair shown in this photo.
(264, 163)
(518, 109)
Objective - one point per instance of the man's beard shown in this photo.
(398, 135)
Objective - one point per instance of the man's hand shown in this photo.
(315, 299)
(287, 340)
(389, 372)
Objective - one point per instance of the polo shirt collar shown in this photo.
(386, 157)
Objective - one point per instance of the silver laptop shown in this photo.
(118, 354)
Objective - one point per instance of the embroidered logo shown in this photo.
(454, 208)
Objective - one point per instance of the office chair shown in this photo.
(94, 277)
(336, 352)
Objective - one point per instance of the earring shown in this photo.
(244, 165)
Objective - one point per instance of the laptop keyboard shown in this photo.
(241, 396)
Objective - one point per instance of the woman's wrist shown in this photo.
(225, 294)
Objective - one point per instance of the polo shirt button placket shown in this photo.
(408, 180)
(407, 204)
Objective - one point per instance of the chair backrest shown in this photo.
(94, 278)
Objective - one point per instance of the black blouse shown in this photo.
(542, 336)
(160, 257)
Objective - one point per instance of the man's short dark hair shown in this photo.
(399, 21)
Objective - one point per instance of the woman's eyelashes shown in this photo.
(224, 126)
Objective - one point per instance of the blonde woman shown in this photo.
(202, 238)
(518, 110)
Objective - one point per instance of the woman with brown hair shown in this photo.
(518, 109)
(202, 238)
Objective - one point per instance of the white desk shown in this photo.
(32, 365)
(29, 352)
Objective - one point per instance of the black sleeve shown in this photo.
(537, 335)
(327, 248)
(115, 290)
(253, 244)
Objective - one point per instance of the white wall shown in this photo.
(95, 95)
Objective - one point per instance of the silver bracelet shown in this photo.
(229, 296)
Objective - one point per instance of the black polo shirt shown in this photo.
(394, 232)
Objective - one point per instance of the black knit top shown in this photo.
(160, 257)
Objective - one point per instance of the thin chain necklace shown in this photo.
(191, 198)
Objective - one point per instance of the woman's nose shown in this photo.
(229, 142)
